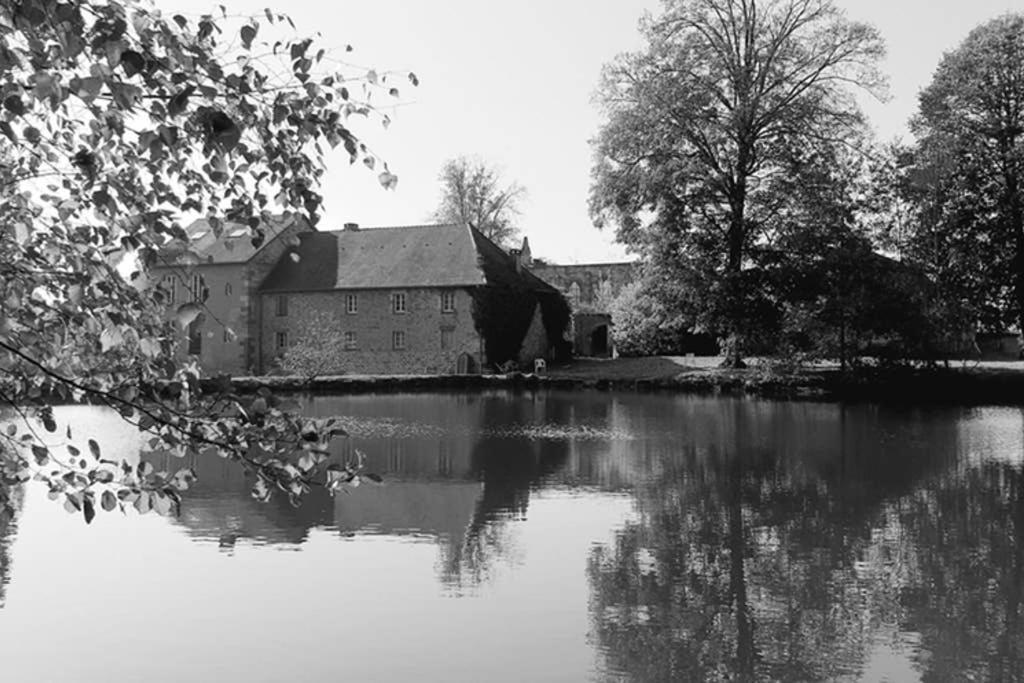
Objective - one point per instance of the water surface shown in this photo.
(556, 537)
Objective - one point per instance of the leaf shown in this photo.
(32, 134)
(87, 89)
(294, 257)
(393, 92)
(12, 429)
(375, 478)
(414, 79)
(388, 180)
(88, 510)
(132, 63)
(187, 313)
(108, 501)
(41, 454)
(371, 76)
(111, 338)
(14, 105)
(94, 448)
(177, 104)
(247, 34)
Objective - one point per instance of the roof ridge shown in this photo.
(418, 226)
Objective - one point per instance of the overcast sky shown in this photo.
(511, 82)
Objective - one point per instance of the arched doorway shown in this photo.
(599, 341)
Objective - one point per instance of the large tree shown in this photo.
(119, 124)
(968, 174)
(702, 121)
(474, 192)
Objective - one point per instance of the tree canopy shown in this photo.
(702, 125)
(966, 179)
(119, 124)
(474, 192)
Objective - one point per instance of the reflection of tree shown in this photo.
(969, 530)
(766, 549)
(8, 528)
(509, 467)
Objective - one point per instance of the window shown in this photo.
(350, 340)
(197, 288)
(351, 303)
(398, 339)
(168, 285)
(282, 304)
(446, 338)
(281, 339)
(447, 302)
(398, 302)
(227, 289)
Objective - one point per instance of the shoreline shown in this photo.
(965, 386)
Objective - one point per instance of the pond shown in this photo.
(552, 537)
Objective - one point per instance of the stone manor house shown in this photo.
(400, 300)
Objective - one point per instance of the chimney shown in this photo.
(351, 227)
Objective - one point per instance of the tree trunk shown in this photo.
(734, 270)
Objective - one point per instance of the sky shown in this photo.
(512, 82)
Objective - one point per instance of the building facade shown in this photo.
(403, 300)
(221, 274)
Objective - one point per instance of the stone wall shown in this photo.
(320, 319)
(584, 286)
(256, 272)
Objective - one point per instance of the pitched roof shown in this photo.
(234, 244)
(448, 255)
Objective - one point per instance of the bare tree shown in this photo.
(473, 192)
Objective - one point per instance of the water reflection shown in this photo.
(809, 542)
(8, 529)
(748, 540)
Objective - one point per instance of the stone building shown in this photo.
(589, 288)
(402, 300)
(221, 274)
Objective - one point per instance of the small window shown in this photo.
(350, 340)
(197, 288)
(281, 339)
(227, 336)
(448, 302)
(398, 302)
(282, 304)
(227, 289)
(169, 288)
(398, 339)
(351, 303)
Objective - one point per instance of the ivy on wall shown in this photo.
(502, 316)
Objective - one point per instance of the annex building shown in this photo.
(430, 299)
